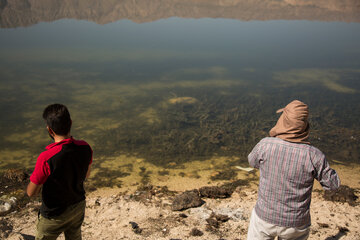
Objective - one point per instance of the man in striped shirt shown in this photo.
(288, 166)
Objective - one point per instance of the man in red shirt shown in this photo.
(60, 172)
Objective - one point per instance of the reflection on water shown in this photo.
(177, 99)
(25, 12)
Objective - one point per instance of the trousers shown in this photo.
(261, 230)
(68, 223)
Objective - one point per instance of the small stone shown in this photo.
(222, 218)
(12, 201)
(5, 208)
(323, 225)
(135, 227)
(213, 223)
(185, 200)
(215, 192)
(165, 231)
(196, 232)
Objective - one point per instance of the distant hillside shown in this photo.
(16, 13)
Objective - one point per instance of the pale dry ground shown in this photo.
(109, 212)
(110, 217)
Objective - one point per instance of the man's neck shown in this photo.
(58, 138)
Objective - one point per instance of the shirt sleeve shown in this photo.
(41, 171)
(254, 157)
(327, 177)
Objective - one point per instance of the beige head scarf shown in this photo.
(292, 125)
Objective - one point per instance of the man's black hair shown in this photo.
(57, 117)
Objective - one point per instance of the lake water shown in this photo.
(163, 92)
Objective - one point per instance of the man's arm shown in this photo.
(327, 177)
(88, 172)
(254, 156)
(33, 189)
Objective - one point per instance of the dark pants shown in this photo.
(68, 222)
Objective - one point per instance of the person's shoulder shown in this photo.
(315, 151)
(80, 142)
(83, 144)
(44, 154)
(267, 140)
(49, 152)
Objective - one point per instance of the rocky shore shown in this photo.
(210, 212)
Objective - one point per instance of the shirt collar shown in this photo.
(65, 141)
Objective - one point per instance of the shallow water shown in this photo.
(156, 99)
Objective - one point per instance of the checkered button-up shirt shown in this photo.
(287, 173)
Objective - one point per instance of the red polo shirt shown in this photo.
(61, 169)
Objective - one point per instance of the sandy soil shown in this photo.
(110, 210)
(109, 213)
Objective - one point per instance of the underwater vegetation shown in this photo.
(172, 122)
(199, 127)
(188, 130)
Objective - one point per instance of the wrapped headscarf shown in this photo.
(293, 125)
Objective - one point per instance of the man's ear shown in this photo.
(51, 132)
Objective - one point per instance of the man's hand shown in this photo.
(33, 189)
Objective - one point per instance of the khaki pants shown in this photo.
(68, 222)
(261, 230)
